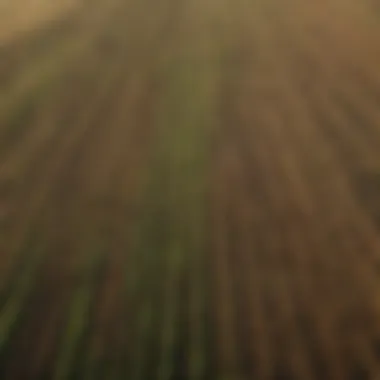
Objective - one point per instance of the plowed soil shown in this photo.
(190, 189)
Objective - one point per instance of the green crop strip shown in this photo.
(171, 237)
(15, 297)
(79, 311)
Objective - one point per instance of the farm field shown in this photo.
(189, 190)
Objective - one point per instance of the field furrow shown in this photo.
(189, 190)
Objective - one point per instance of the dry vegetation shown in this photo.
(20, 17)
(189, 190)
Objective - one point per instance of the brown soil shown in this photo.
(290, 255)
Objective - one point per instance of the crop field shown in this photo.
(189, 190)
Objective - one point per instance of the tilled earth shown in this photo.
(190, 189)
